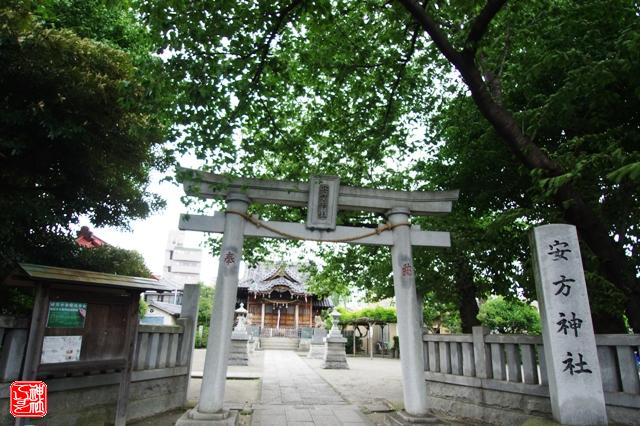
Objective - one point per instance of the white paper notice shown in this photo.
(60, 349)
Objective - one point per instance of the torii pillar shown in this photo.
(210, 410)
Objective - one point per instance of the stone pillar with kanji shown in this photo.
(573, 369)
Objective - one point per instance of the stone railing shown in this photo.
(515, 364)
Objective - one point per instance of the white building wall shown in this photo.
(182, 264)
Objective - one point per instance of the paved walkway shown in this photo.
(294, 394)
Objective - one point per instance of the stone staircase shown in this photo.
(279, 343)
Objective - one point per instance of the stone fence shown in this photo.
(502, 379)
(158, 383)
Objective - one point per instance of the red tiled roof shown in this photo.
(86, 239)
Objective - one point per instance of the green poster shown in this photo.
(66, 314)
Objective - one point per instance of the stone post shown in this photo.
(481, 360)
(335, 356)
(210, 405)
(188, 320)
(316, 347)
(414, 387)
(262, 316)
(571, 356)
(239, 354)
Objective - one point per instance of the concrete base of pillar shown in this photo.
(194, 418)
(402, 418)
(239, 354)
(316, 351)
(335, 356)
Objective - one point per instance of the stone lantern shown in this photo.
(241, 323)
(239, 354)
(335, 319)
(335, 356)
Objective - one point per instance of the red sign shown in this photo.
(28, 399)
(407, 270)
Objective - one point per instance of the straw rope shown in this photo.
(260, 224)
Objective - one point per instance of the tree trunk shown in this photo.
(467, 304)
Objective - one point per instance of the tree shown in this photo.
(205, 303)
(109, 259)
(351, 88)
(561, 177)
(482, 261)
(509, 316)
(64, 252)
(81, 126)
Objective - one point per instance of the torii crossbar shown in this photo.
(324, 196)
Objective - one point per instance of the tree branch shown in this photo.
(433, 29)
(399, 76)
(481, 23)
(268, 38)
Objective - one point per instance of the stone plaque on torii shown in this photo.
(324, 197)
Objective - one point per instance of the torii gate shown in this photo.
(324, 197)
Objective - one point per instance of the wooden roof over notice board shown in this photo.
(77, 276)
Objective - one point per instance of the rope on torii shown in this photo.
(261, 224)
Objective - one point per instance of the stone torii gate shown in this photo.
(323, 196)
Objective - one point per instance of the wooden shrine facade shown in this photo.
(276, 298)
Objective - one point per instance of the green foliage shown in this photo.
(143, 308)
(374, 313)
(437, 315)
(81, 123)
(111, 259)
(205, 303)
(17, 302)
(201, 340)
(509, 316)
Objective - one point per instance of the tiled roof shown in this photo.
(266, 276)
(87, 239)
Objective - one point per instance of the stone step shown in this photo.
(279, 343)
(272, 346)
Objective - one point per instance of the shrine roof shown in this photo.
(265, 277)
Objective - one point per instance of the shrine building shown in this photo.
(277, 300)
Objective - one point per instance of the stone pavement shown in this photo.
(294, 394)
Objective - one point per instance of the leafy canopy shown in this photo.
(82, 122)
